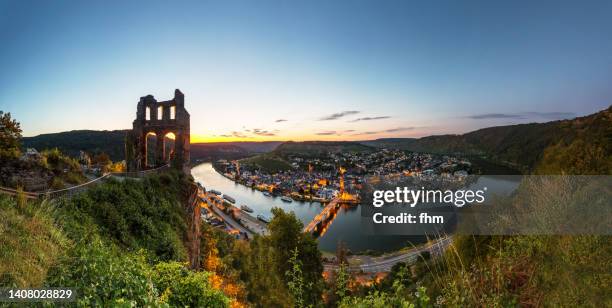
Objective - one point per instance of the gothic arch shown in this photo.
(159, 118)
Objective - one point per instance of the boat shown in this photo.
(228, 198)
(267, 194)
(216, 192)
(245, 208)
(263, 218)
(286, 199)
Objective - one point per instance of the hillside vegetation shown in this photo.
(278, 159)
(577, 146)
(92, 141)
(317, 148)
(119, 243)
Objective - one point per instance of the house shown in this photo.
(30, 154)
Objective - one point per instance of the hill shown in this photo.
(277, 160)
(581, 145)
(317, 148)
(110, 142)
(230, 150)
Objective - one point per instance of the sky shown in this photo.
(305, 70)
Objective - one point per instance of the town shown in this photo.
(330, 175)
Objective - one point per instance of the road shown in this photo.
(384, 264)
(226, 218)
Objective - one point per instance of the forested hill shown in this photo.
(581, 145)
(71, 142)
(112, 143)
(317, 148)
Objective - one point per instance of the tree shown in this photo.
(286, 234)
(342, 281)
(102, 159)
(10, 136)
(296, 279)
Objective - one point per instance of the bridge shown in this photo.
(323, 215)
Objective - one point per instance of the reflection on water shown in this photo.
(346, 226)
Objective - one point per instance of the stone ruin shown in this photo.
(159, 118)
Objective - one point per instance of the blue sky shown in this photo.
(384, 68)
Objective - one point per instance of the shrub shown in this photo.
(181, 287)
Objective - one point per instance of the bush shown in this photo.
(181, 287)
(103, 276)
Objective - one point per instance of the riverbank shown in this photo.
(346, 227)
(293, 196)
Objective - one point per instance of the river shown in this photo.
(346, 227)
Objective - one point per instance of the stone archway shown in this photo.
(160, 118)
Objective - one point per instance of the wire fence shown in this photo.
(70, 191)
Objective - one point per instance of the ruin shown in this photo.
(160, 119)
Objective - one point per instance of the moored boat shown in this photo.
(245, 208)
(263, 218)
(228, 198)
(286, 199)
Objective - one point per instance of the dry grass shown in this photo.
(30, 242)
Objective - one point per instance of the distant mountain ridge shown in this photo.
(316, 148)
(112, 142)
(579, 146)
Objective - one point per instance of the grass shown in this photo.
(30, 242)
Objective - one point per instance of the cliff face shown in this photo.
(192, 212)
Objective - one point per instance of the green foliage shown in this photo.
(30, 242)
(584, 148)
(104, 275)
(136, 214)
(64, 168)
(285, 235)
(90, 141)
(181, 287)
(578, 146)
(527, 271)
(315, 149)
(342, 281)
(282, 269)
(397, 298)
(268, 162)
(295, 279)
(10, 135)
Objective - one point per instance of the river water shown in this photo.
(346, 227)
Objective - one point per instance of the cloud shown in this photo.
(370, 118)
(327, 133)
(399, 129)
(349, 130)
(338, 115)
(262, 132)
(239, 135)
(523, 115)
(390, 130)
(496, 116)
(281, 120)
